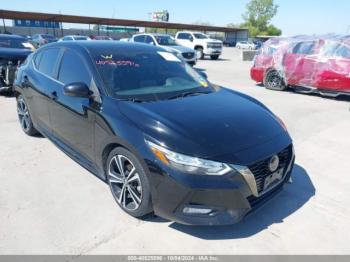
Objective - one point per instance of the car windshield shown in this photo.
(165, 40)
(200, 36)
(80, 38)
(19, 43)
(148, 75)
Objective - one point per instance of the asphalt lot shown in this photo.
(51, 205)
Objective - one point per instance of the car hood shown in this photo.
(210, 40)
(14, 53)
(207, 125)
(178, 48)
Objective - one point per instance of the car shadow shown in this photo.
(288, 201)
(342, 98)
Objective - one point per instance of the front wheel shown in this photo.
(199, 52)
(214, 57)
(274, 80)
(24, 117)
(128, 182)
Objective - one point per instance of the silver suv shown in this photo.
(169, 44)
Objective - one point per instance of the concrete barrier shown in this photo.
(248, 55)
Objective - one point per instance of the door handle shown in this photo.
(53, 95)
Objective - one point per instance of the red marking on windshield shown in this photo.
(117, 63)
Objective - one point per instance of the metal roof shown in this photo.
(9, 14)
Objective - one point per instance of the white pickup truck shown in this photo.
(201, 43)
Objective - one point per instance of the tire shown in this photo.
(214, 57)
(199, 52)
(130, 187)
(24, 117)
(273, 80)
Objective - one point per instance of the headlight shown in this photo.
(187, 163)
(178, 54)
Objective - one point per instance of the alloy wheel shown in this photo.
(23, 115)
(125, 183)
(274, 80)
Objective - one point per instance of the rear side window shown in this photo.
(48, 61)
(37, 59)
(139, 38)
(343, 52)
(305, 48)
(184, 36)
(73, 69)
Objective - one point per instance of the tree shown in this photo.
(258, 16)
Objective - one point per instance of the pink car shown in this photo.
(310, 65)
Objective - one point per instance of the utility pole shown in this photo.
(3, 22)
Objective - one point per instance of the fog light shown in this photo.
(196, 211)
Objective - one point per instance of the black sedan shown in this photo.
(165, 139)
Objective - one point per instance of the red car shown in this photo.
(311, 65)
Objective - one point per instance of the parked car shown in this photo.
(169, 44)
(14, 50)
(200, 42)
(313, 65)
(74, 38)
(246, 45)
(39, 40)
(229, 42)
(101, 37)
(140, 124)
(258, 44)
(124, 39)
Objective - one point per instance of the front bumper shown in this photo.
(229, 198)
(213, 51)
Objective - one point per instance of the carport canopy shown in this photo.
(9, 14)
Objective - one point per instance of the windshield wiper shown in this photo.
(133, 99)
(190, 93)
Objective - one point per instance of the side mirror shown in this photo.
(191, 39)
(203, 74)
(77, 90)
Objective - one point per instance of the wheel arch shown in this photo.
(111, 145)
(198, 46)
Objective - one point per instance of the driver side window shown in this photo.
(149, 40)
(73, 69)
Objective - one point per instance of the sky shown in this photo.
(293, 17)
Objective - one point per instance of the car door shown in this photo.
(71, 117)
(333, 70)
(184, 39)
(300, 63)
(41, 85)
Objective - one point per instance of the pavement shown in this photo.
(51, 205)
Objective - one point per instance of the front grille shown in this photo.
(261, 170)
(258, 201)
(188, 55)
(214, 45)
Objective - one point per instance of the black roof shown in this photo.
(104, 46)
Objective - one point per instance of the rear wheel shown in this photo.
(24, 117)
(199, 52)
(128, 182)
(214, 57)
(274, 80)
